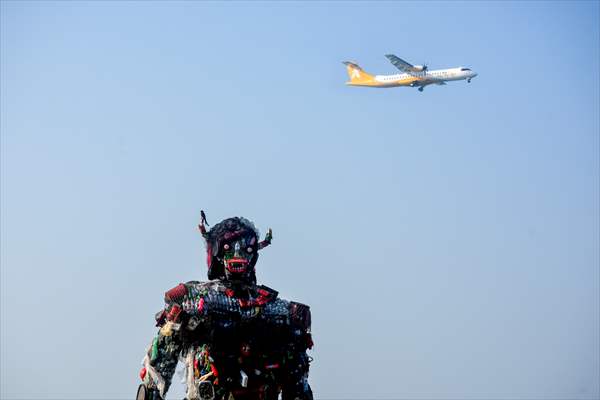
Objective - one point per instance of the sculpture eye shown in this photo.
(226, 246)
(249, 250)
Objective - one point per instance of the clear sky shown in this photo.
(447, 241)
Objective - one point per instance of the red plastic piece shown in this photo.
(261, 301)
(245, 349)
(160, 319)
(201, 305)
(177, 293)
(174, 313)
(244, 303)
(209, 256)
(214, 370)
(143, 373)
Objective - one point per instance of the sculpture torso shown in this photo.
(253, 338)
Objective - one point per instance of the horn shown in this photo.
(267, 241)
(201, 225)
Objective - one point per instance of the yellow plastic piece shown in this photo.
(167, 329)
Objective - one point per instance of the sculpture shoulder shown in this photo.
(297, 313)
(192, 290)
(188, 298)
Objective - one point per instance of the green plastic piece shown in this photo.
(154, 354)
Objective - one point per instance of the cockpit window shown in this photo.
(465, 69)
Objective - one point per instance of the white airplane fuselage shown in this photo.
(420, 79)
(426, 77)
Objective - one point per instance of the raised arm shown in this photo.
(162, 355)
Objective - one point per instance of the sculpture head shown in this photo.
(232, 249)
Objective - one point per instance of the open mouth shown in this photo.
(236, 265)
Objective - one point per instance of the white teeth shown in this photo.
(233, 268)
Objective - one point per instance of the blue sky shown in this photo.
(447, 241)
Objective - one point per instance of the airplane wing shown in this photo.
(400, 63)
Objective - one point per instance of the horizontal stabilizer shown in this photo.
(352, 64)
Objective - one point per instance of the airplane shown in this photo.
(412, 75)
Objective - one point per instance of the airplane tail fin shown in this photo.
(356, 74)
